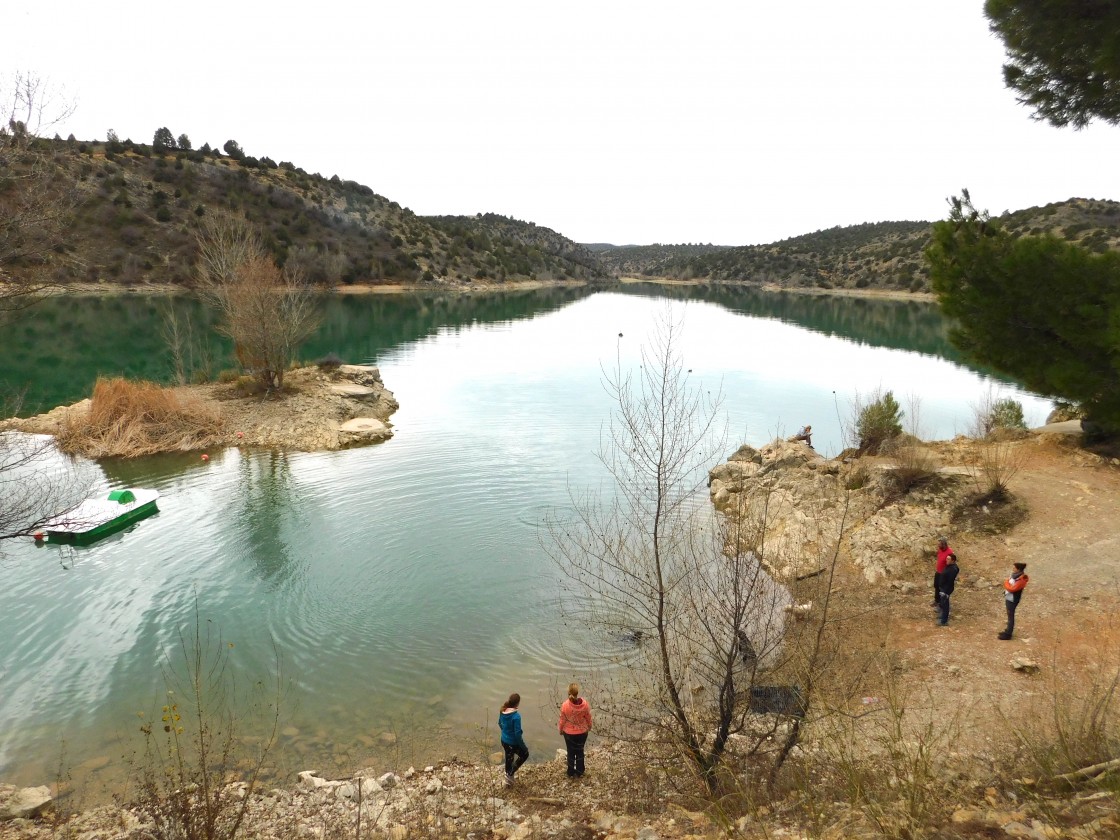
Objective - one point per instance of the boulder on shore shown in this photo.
(23, 803)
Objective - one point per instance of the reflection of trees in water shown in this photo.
(897, 324)
(267, 496)
(58, 350)
(58, 354)
(362, 327)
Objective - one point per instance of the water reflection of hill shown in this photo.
(363, 327)
(57, 350)
(897, 324)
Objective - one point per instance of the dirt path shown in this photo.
(1071, 543)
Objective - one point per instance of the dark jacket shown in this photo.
(949, 578)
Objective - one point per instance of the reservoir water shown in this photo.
(404, 586)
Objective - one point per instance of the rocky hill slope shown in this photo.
(133, 212)
(882, 255)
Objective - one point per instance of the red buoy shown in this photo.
(38, 536)
(205, 457)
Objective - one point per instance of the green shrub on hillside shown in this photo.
(1002, 414)
(877, 421)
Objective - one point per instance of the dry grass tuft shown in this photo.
(131, 419)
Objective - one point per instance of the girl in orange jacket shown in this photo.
(575, 723)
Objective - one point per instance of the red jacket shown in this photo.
(575, 716)
(942, 553)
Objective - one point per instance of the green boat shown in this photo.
(97, 518)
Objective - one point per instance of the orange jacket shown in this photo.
(575, 717)
(1016, 584)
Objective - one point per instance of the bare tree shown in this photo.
(37, 483)
(653, 567)
(267, 312)
(36, 195)
(188, 347)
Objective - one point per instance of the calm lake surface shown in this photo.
(404, 585)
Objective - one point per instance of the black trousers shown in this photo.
(1011, 605)
(575, 744)
(515, 757)
(937, 587)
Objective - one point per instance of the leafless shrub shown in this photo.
(197, 777)
(911, 463)
(998, 462)
(267, 312)
(892, 763)
(1073, 737)
(997, 429)
(130, 419)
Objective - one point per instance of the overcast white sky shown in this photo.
(724, 121)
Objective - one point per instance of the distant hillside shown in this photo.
(515, 248)
(882, 255)
(136, 210)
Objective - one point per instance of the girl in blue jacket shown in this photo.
(513, 741)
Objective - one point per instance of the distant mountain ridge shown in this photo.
(136, 210)
(879, 255)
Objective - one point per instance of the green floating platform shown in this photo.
(95, 519)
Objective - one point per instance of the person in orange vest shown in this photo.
(1013, 593)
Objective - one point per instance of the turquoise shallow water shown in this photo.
(404, 585)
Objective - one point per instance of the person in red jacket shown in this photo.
(575, 723)
(1013, 592)
(943, 552)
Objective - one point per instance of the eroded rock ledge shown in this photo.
(319, 410)
(803, 503)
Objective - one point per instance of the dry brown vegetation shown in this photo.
(130, 419)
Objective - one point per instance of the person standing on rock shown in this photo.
(948, 583)
(575, 723)
(513, 740)
(1013, 593)
(943, 552)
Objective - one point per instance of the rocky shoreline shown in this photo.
(623, 797)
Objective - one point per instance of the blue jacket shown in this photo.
(510, 723)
